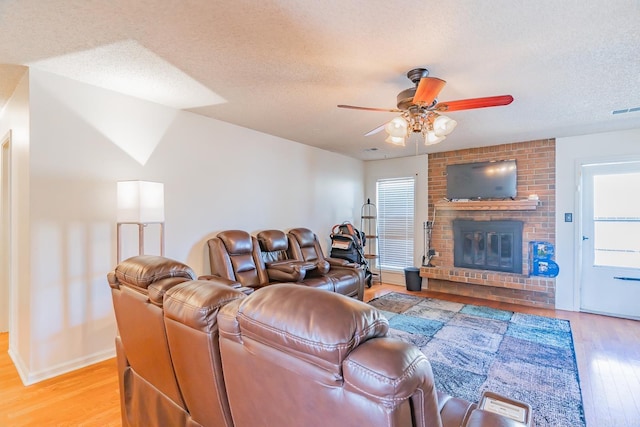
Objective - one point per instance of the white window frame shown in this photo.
(396, 202)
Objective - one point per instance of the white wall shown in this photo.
(396, 168)
(217, 176)
(571, 154)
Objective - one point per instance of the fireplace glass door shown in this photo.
(488, 245)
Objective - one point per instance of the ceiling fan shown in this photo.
(421, 111)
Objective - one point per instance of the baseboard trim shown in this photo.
(29, 378)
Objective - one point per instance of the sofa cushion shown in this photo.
(273, 240)
(236, 242)
(196, 303)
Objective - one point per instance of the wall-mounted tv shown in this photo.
(482, 180)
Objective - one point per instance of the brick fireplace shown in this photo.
(536, 175)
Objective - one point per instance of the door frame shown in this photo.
(6, 238)
(579, 217)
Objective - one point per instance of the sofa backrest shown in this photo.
(190, 311)
(235, 255)
(273, 245)
(149, 388)
(304, 246)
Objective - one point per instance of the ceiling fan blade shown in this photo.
(390, 110)
(427, 90)
(469, 104)
(376, 130)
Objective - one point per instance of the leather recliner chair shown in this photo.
(274, 247)
(348, 277)
(235, 255)
(163, 382)
(295, 356)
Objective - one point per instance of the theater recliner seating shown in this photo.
(236, 255)
(200, 353)
(295, 356)
(168, 374)
(349, 278)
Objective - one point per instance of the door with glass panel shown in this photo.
(610, 280)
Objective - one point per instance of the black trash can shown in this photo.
(413, 279)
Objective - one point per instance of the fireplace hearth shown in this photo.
(488, 245)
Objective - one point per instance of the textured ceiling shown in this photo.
(282, 66)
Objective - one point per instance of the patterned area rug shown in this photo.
(473, 349)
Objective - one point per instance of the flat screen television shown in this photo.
(482, 180)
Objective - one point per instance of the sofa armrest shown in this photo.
(500, 411)
(375, 369)
(285, 273)
(339, 262)
(288, 270)
(220, 280)
(482, 418)
(323, 266)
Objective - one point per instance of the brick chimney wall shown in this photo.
(536, 175)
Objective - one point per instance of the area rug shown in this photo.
(473, 348)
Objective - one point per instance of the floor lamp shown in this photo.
(140, 203)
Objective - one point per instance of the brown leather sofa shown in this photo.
(200, 353)
(168, 373)
(266, 259)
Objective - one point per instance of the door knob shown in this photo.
(585, 238)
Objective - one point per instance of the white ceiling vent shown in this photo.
(626, 110)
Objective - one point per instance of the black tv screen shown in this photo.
(482, 180)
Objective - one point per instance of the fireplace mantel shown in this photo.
(489, 205)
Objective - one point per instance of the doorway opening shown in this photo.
(5, 233)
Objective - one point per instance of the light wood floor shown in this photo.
(86, 397)
(607, 351)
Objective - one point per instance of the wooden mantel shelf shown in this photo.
(489, 205)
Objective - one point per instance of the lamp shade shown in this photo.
(397, 127)
(395, 140)
(140, 201)
(432, 138)
(443, 125)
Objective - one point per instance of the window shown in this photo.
(616, 219)
(396, 201)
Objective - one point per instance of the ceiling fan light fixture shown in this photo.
(397, 128)
(420, 110)
(395, 140)
(443, 125)
(431, 138)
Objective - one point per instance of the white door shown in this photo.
(610, 282)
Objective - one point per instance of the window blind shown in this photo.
(396, 206)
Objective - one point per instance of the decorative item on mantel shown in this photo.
(140, 203)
